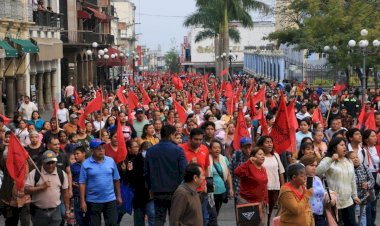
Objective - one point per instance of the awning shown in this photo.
(83, 14)
(26, 45)
(117, 61)
(101, 16)
(50, 48)
(9, 50)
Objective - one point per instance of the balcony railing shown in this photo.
(46, 18)
(86, 37)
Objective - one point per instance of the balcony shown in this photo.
(47, 19)
(86, 37)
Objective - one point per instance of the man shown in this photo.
(304, 112)
(352, 105)
(335, 127)
(196, 152)
(209, 131)
(165, 164)
(334, 113)
(238, 158)
(52, 132)
(26, 109)
(157, 124)
(347, 120)
(72, 126)
(140, 121)
(186, 205)
(46, 190)
(69, 91)
(99, 186)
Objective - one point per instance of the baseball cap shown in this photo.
(245, 141)
(49, 156)
(139, 110)
(73, 115)
(94, 143)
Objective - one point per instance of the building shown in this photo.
(30, 52)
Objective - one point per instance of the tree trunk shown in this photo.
(225, 38)
(217, 55)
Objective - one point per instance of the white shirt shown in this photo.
(301, 115)
(69, 91)
(27, 110)
(273, 166)
(98, 125)
(22, 136)
(63, 115)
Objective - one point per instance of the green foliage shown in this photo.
(172, 60)
(313, 24)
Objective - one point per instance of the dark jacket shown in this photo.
(165, 164)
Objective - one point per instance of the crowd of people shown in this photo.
(186, 155)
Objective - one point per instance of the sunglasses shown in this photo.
(50, 163)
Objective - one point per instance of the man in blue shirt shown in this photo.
(99, 180)
(165, 165)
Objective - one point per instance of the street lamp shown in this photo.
(230, 57)
(363, 44)
(333, 50)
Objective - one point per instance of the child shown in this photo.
(73, 139)
(79, 154)
(364, 183)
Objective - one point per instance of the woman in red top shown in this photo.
(111, 148)
(253, 182)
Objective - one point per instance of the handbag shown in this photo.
(225, 194)
(127, 195)
(249, 214)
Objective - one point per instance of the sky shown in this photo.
(161, 22)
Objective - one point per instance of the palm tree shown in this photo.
(231, 10)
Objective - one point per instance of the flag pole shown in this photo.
(101, 110)
(34, 164)
(327, 118)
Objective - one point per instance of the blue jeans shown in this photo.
(205, 208)
(162, 203)
(363, 219)
(79, 215)
(139, 214)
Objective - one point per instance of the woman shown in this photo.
(190, 124)
(218, 169)
(148, 134)
(306, 149)
(230, 131)
(275, 171)
(98, 123)
(340, 176)
(324, 105)
(112, 147)
(63, 141)
(303, 132)
(45, 127)
(132, 173)
(110, 123)
(89, 130)
(104, 136)
(36, 120)
(294, 199)
(22, 133)
(62, 114)
(316, 201)
(83, 138)
(254, 182)
(319, 145)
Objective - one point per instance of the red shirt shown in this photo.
(202, 156)
(253, 182)
(109, 151)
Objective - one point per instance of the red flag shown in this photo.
(177, 82)
(317, 117)
(55, 107)
(6, 119)
(370, 123)
(181, 111)
(240, 131)
(92, 106)
(121, 96)
(280, 130)
(361, 118)
(217, 96)
(229, 91)
(230, 105)
(121, 146)
(293, 123)
(224, 72)
(248, 94)
(77, 99)
(263, 122)
(205, 88)
(237, 95)
(133, 100)
(146, 98)
(16, 161)
(259, 96)
(130, 119)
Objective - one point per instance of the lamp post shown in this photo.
(363, 44)
(327, 49)
(230, 57)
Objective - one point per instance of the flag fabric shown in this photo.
(77, 99)
(223, 86)
(248, 94)
(146, 98)
(181, 111)
(177, 83)
(240, 131)
(6, 119)
(133, 100)
(55, 107)
(16, 161)
(370, 123)
(361, 118)
(230, 105)
(224, 72)
(237, 94)
(121, 96)
(317, 117)
(293, 123)
(280, 132)
(92, 106)
(259, 96)
(205, 88)
(121, 146)
(130, 118)
(263, 123)
(217, 95)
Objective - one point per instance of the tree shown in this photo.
(172, 60)
(313, 24)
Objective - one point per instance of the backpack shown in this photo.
(37, 176)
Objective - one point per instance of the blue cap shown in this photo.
(95, 143)
(245, 141)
